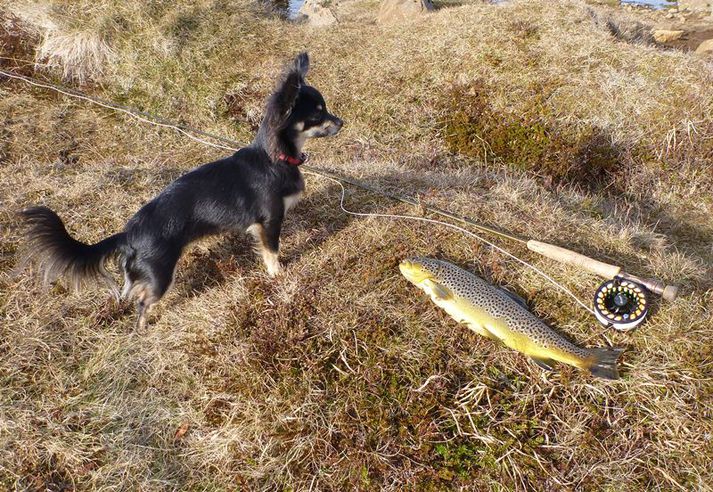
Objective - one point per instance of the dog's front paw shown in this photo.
(274, 268)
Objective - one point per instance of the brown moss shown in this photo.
(49, 475)
(528, 140)
(17, 44)
(240, 105)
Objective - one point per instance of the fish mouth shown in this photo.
(414, 271)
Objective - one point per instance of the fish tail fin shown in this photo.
(603, 362)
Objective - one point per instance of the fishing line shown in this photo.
(146, 118)
(457, 228)
(188, 131)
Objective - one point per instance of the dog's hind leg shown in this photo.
(146, 294)
(149, 278)
(267, 244)
(143, 306)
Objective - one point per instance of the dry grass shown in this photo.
(318, 379)
(81, 56)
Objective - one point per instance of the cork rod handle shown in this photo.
(571, 258)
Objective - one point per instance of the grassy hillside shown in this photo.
(535, 116)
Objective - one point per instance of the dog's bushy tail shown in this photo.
(58, 254)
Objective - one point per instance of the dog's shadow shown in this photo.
(318, 215)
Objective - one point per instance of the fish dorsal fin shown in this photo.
(546, 364)
(514, 297)
(437, 290)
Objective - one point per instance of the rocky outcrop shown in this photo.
(696, 5)
(705, 48)
(400, 10)
(318, 13)
(666, 36)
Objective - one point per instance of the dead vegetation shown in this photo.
(80, 55)
(339, 375)
(17, 41)
(529, 140)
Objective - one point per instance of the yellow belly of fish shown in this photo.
(484, 324)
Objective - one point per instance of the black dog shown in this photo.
(250, 191)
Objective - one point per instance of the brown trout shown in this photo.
(496, 314)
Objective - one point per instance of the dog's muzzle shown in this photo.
(331, 126)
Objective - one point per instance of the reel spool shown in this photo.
(621, 304)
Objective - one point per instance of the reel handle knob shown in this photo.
(670, 292)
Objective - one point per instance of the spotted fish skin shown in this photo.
(491, 312)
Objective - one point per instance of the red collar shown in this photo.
(294, 161)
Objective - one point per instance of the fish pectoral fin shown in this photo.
(546, 364)
(482, 330)
(437, 290)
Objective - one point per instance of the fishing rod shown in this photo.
(621, 302)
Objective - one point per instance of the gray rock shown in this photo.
(705, 48)
(318, 13)
(666, 36)
(399, 10)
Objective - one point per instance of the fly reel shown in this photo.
(621, 304)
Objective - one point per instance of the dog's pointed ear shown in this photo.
(289, 88)
(301, 64)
